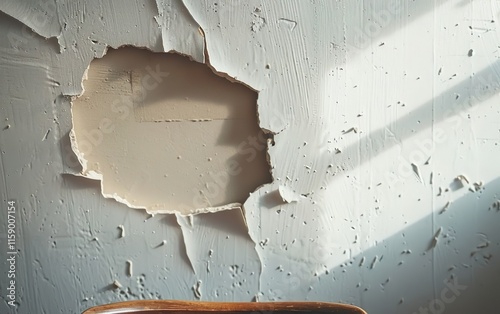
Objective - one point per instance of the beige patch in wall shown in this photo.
(167, 134)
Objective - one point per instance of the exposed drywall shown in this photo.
(385, 182)
(167, 134)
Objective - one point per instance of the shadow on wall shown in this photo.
(452, 266)
(380, 18)
(447, 106)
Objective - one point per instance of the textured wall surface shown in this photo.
(386, 176)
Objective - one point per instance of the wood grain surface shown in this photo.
(193, 307)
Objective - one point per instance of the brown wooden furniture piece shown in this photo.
(193, 307)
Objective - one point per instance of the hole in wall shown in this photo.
(167, 134)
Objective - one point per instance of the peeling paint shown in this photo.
(445, 208)
(122, 231)
(117, 284)
(416, 170)
(130, 268)
(197, 290)
(201, 167)
(435, 239)
(349, 108)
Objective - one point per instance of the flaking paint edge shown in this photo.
(96, 176)
(204, 60)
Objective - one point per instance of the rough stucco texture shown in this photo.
(385, 183)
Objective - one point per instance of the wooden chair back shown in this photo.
(194, 307)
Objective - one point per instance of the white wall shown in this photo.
(417, 80)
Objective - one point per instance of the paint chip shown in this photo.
(435, 239)
(46, 135)
(374, 262)
(117, 284)
(445, 208)
(130, 269)
(290, 24)
(462, 178)
(440, 191)
(122, 231)
(288, 195)
(478, 186)
(352, 129)
(362, 261)
(197, 289)
(416, 170)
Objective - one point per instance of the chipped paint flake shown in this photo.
(122, 231)
(197, 290)
(130, 268)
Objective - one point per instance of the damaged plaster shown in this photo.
(167, 134)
